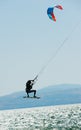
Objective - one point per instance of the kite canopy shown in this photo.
(50, 12)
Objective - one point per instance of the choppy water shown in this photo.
(67, 117)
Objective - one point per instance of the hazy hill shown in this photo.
(51, 95)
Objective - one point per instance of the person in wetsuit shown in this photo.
(29, 85)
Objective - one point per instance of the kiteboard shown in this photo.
(36, 97)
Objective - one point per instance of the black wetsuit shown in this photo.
(29, 85)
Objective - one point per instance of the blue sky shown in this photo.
(28, 39)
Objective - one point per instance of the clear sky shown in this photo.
(28, 39)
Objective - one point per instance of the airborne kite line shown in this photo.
(57, 51)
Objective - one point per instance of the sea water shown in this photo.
(65, 117)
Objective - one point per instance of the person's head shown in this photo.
(29, 81)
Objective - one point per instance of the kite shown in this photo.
(50, 12)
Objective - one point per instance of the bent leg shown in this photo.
(34, 91)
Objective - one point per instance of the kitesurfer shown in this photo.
(29, 85)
